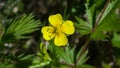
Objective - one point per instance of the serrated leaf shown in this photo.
(83, 26)
(66, 55)
(69, 54)
(90, 11)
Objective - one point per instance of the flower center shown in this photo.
(57, 30)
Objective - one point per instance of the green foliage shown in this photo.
(83, 58)
(18, 28)
(106, 65)
(90, 11)
(108, 9)
(66, 55)
(116, 40)
(43, 58)
(82, 26)
(85, 66)
(107, 22)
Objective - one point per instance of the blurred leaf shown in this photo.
(1, 31)
(85, 66)
(26, 57)
(116, 40)
(83, 27)
(39, 65)
(7, 66)
(99, 2)
(64, 66)
(106, 65)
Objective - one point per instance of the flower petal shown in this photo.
(48, 32)
(60, 40)
(55, 20)
(67, 27)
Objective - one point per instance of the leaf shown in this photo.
(105, 65)
(26, 57)
(90, 14)
(108, 23)
(83, 26)
(98, 35)
(85, 66)
(116, 40)
(108, 9)
(7, 65)
(83, 58)
(39, 65)
(20, 27)
(69, 54)
(66, 55)
(43, 52)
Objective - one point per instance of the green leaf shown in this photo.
(69, 54)
(108, 9)
(83, 26)
(116, 40)
(98, 35)
(43, 52)
(66, 55)
(106, 65)
(39, 65)
(85, 66)
(108, 23)
(26, 57)
(90, 11)
(20, 27)
(7, 65)
(83, 58)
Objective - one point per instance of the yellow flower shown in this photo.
(58, 30)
